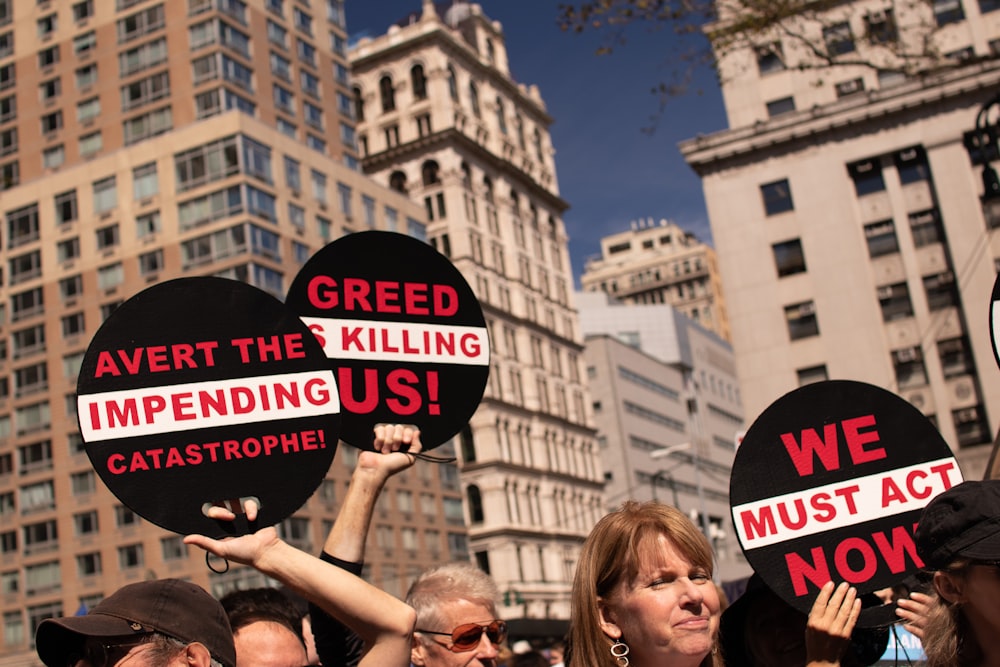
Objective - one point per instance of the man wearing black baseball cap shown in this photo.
(162, 623)
(958, 536)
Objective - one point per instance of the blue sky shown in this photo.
(609, 171)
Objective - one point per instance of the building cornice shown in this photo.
(454, 139)
(709, 153)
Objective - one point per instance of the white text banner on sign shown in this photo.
(401, 341)
(793, 515)
(196, 405)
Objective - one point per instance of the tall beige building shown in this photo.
(442, 120)
(846, 216)
(143, 141)
(660, 263)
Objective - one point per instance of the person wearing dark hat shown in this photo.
(162, 623)
(958, 537)
(760, 629)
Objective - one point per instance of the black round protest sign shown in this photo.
(402, 330)
(829, 483)
(200, 390)
(994, 316)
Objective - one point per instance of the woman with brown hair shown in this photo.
(643, 594)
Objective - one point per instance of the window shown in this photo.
(838, 39)
(780, 106)
(418, 82)
(941, 291)
(144, 181)
(387, 94)
(956, 357)
(25, 267)
(297, 216)
(48, 57)
(309, 83)
(8, 141)
(284, 99)
(28, 341)
(812, 374)
(894, 301)
(26, 304)
(47, 25)
(911, 163)
(40, 536)
(770, 58)
(948, 11)
(107, 237)
(82, 483)
(307, 52)
(970, 426)
(276, 34)
(69, 248)
(802, 321)
(54, 156)
(867, 177)
(908, 364)
(142, 57)
(313, 115)
(109, 277)
(85, 523)
(141, 23)
(845, 88)
(72, 325)
(130, 556)
(881, 238)
(22, 225)
(91, 144)
(83, 10)
(788, 257)
(880, 26)
(105, 195)
(86, 76)
(344, 196)
(87, 110)
(302, 21)
(207, 163)
(144, 91)
(40, 496)
(474, 99)
(150, 262)
(925, 226)
(777, 197)
(147, 224)
(8, 76)
(85, 43)
(8, 108)
(318, 186)
(173, 548)
(89, 564)
(52, 122)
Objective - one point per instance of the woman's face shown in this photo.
(669, 615)
(981, 590)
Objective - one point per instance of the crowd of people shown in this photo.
(643, 596)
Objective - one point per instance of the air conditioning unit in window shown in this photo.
(885, 292)
(876, 17)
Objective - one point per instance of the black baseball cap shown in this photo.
(962, 522)
(172, 607)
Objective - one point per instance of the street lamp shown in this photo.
(981, 144)
(665, 473)
(667, 451)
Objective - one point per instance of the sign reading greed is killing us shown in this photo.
(829, 484)
(202, 390)
(402, 330)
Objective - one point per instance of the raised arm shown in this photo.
(383, 622)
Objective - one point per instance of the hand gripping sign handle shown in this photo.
(227, 510)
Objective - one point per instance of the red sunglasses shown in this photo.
(466, 637)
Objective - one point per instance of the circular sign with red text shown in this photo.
(995, 319)
(402, 330)
(204, 390)
(829, 483)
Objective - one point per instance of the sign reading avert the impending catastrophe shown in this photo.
(202, 390)
(829, 483)
(403, 332)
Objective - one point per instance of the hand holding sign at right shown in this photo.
(831, 622)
